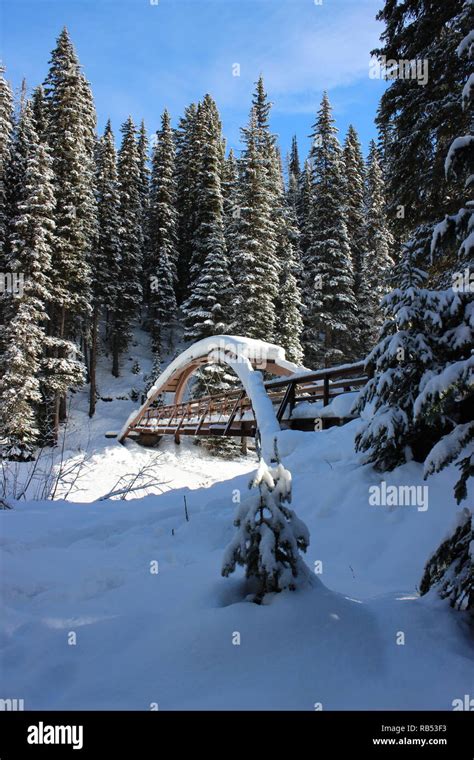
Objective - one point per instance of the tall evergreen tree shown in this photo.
(294, 174)
(255, 246)
(40, 112)
(421, 394)
(131, 242)
(230, 186)
(143, 159)
(303, 210)
(163, 236)
(418, 122)
(188, 151)
(6, 129)
(71, 137)
(288, 306)
(377, 266)
(398, 362)
(206, 311)
(24, 337)
(289, 323)
(207, 306)
(330, 318)
(448, 394)
(107, 261)
(354, 171)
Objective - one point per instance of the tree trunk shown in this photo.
(115, 355)
(55, 431)
(60, 401)
(93, 362)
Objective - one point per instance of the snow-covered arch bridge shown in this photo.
(257, 405)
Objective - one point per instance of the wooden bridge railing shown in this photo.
(231, 414)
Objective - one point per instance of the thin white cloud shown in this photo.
(305, 50)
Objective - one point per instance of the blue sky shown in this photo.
(141, 57)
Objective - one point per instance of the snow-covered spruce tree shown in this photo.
(205, 311)
(23, 335)
(230, 192)
(130, 291)
(303, 213)
(108, 208)
(254, 263)
(294, 174)
(421, 120)
(188, 152)
(106, 260)
(422, 388)
(289, 323)
(144, 161)
(270, 157)
(404, 353)
(40, 112)
(71, 137)
(376, 272)
(6, 129)
(269, 535)
(447, 395)
(163, 237)
(207, 307)
(354, 172)
(330, 332)
(288, 306)
(450, 569)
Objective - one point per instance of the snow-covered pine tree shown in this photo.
(254, 312)
(450, 569)
(398, 362)
(421, 120)
(206, 309)
(330, 332)
(144, 161)
(107, 263)
(288, 306)
(108, 207)
(230, 192)
(188, 151)
(256, 271)
(294, 174)
(289, 323)
(375, 275)
(130, 291)
(40, 112)
(303, 214)
(70, 134)
(163, 237)
(269, 535)
(23, 335)
(354, 172)
(447, 396)
(6, 129)
(422, 389)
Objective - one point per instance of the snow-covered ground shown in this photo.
(83, 571)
